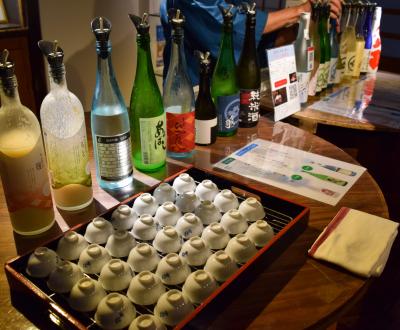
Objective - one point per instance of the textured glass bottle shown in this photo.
(224, 86)
(109, 118)
(301, 46)
(248, 73)
(333, 40)
(147, 117)
(206, 113)
(178, 94)
(64, 133)
(22, 160)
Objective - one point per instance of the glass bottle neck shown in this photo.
(177, 52)
(144, 66)
(105, 79)
(227, 41)
(57, 78)
(9, 91)
(304, 27)
(204, 83)
(249, 38)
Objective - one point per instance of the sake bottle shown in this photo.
(333, 40)
(178, 94)
(375, 53)
(224, 85)
(351, 42)
(312, 86)
(205, 111)
(109, 118)
(322, 80)
(22, 159)
(360, 42)
(341, 65)
(248, 73)
(146, 111)
(301, 46)
(367, 30)
(64, 134)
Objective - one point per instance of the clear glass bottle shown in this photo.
(146, 112)
(178, 94)
(109, 117)
(248, 73)
(351, 42)
(23, 166)
(64, 134)
(224, 85)
(206, 113)
(301, 46)
(360, 42)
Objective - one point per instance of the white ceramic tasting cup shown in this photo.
(143, 257)
(252, 209)
(221, 266)
(123, 217)
(64, 277)
(164, 193)
(86, 295)
(167, 240)
(184, 183)
(71, 245)
(114, 311)
(240, 248)
(144, 228)
(172, 269)
(172, 307)
(145, 289)
(195, 251)
(147, 322)
(42, 262)
(189, 225)
(187, 202)
(233, 222)
(145, 204)
(167, 214)
(260, 233)
(98, 231)
(120, 243)
(207, 212)
(93, 258)
(115, 275)
(215, 236)
(226, 200)
(206, 190)
(198, 286)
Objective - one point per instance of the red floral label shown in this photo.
(180, 132)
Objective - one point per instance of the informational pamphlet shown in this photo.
(321, 178)
(283, 79)
(356, 102)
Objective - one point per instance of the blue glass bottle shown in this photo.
(109, 117)
(367, 30)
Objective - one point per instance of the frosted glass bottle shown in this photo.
(64, 134)
(22, 160)
(109, 117)
(178, 96)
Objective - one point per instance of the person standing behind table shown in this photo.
(204, 28)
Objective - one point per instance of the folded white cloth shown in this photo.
(357, 241)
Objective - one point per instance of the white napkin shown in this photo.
(357, 241)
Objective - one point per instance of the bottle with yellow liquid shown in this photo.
(22, 160)
(360, 41)
(64, 134)
(351, 42)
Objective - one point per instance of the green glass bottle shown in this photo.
(324, 60)
(248, 73)
(146, 111)
(327, 45)
(224, 86)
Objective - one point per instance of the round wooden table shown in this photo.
(293, 292)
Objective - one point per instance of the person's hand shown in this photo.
(336, 9)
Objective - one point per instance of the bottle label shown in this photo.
(249, 105)
(312, 86)
(180, 131)
(25, 177)
(320, 78)
(325, 76)
(350, 59)
(365, 60)
(310, 58)
(303, 79)
(114, 156)
(204, 130)
(332, 70)
(152, 139)
(68, 158)
(228, 112)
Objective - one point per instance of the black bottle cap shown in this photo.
(227, 13)
(141, 23)
(101, 27)
(204, 59)
(7, 67)
(250, 11)
(55, 56)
